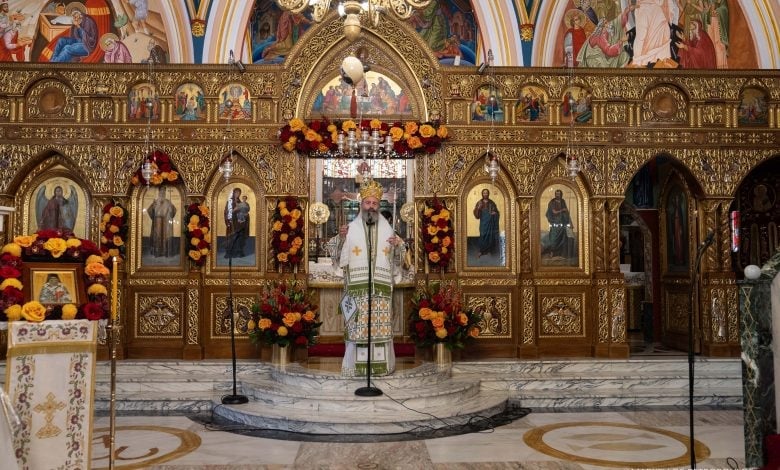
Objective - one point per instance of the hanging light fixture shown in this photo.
(351, 10)
(572, 164)
(148, 167)
(492, 164)
(226, 164)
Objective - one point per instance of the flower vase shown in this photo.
(442, 356)
(281, 356)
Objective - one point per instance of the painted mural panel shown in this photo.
(375, 95)
(559, 231)
(143, 103)
(449, 29)
(88, 31)
(274, 32)
(488, 104)
(532, 106)
(59, 203)
(235, 102)
(576, 105)
(689, 34)
(190, 103)
(753, 109)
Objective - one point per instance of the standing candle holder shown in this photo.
(113, 330)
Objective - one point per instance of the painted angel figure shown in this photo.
(58, 212)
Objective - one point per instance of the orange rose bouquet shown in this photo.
(439, 316)
(163, 170)
(113, 231)
(198, 233)
(287, 237)
(437, 234)
(284, 316)
(322, 135)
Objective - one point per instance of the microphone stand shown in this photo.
(368, 390)
(235, 398)
(699, 254)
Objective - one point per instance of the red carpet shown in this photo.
(337, 350)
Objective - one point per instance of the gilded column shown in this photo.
(613, 232)
(598, 225)
(524, 240)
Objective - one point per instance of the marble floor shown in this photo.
(539, 440)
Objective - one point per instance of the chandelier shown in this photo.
(352, 9)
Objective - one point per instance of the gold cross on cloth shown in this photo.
(48, 408)
(356, 251)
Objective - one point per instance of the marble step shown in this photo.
(450, 393)
(386, 417)
(425, 374)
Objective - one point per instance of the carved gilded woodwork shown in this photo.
(528, 309)
(678, 310)
(618, 314)
(613, 229)
(158, 316)
(603, 314)
(561, 316)
(598, 223)
(76, 115)
(50, 99)
(193, 310)
(496, 310)
(220, 319)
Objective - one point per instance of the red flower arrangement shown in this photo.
(198, 233)
(113, 229)
(163, 170)
(287, 238)
(284, 316)
(52, 245)
(437, 234)
(438, 316)
(322, 135)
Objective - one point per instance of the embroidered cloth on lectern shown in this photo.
(50, 378)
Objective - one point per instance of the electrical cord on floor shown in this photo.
(475, 423)
(732, 463)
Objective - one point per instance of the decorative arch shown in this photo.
(393, 48)
(52, 166)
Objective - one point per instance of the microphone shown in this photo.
(370, 218)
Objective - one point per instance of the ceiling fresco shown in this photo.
(686, 34)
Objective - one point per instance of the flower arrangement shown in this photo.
(438, 316)
(113, 230)
(437, 234)
(163, 170)
(284, 316)
(287, 236)
(52, 245)
(321, 135)
(198, 233)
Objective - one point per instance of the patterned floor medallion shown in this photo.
(613, 444)
(151, 445)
